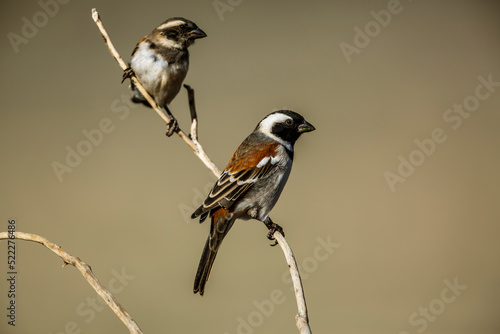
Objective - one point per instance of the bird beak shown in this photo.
(197, 33)
(306, 127)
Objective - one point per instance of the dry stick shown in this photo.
(86, 272)
(302, 319)
(194, 117)
(193, 142)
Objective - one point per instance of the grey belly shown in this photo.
(260, 199)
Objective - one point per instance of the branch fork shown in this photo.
(192, 139)
(86, 271)
(302, 319)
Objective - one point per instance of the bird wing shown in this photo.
(248, 164)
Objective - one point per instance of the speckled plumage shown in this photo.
(161, 60)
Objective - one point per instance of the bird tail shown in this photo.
(138, 98)
(221, 224)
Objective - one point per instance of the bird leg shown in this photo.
(273, 228)
(173, 126)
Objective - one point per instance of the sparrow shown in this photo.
(251, 183)
(161, 60)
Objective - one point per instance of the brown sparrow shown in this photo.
(161, 60)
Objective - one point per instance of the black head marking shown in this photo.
(286, 125)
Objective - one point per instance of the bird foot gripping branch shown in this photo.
(273, 228)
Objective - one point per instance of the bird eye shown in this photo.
(289, 122)
(182, 26)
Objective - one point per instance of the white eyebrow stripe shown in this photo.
(266, 126)
(267, 123)
(171, 24)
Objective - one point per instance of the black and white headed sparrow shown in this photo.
(161, 60)
(251, 184)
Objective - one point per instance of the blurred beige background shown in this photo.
(392, 248)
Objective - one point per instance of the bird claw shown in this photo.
(272, 229)
(275, 242)
(172, 127)
(127, 73)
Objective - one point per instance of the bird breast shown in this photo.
(160, 78)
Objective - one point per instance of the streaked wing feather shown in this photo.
(233, 185)
(248, 164)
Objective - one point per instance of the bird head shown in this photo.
(178, 32)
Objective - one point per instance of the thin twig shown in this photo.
(86, 272)
(194, 144)
(194, 117)
(302, 319)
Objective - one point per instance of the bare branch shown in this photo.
(194, 117)
(194, 144)
(86, 272)
(302, 319)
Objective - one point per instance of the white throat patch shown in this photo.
(266, 126)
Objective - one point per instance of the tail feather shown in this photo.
(217, 233)
(138, 98)
(204, 268)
